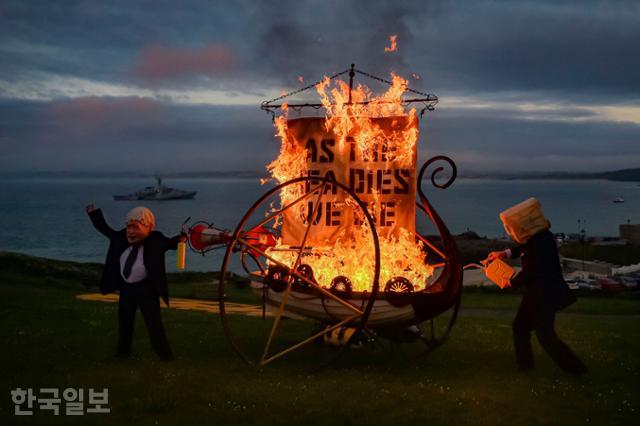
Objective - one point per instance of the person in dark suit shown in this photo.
(135, 267)
(546, 292)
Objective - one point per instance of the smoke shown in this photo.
(293, 40)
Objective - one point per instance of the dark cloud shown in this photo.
(159, 63)
(504, 141)
(573, 49)
(565, 53)
(567, 48)
(37, 136)
(321, 38)
(89, 117)
(205, 138)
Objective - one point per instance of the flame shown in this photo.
(291, 162)
(415, 76)
(353, 257)
(350, 117)
(301, 79)
(394, 44)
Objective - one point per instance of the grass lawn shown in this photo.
(52, 339)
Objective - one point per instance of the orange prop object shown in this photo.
(498, 271)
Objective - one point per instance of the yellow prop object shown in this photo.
(499, 272)
(524, 220)
(181, 255)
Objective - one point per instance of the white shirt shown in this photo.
(138, 270)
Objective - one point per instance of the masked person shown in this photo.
(545, 289)
(135, 266)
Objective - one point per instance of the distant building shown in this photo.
(630, 233)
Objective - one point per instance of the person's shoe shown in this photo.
(414, 329)
(412, 333)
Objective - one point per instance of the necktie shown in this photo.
(128, 264)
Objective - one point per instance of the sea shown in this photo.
(46, 216)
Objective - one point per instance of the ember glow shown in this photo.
(394, 44)
(385, 158)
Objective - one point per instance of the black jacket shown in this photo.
(155, 246)
(541, 274)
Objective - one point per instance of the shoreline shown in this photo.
(623, 175)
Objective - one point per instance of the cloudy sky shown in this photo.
(176, 86)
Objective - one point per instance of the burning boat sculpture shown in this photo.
(335, 241)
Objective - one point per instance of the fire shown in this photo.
(394, 44)
(291, 162)
(354, 127)
(355, 119)
(301, 79)
(353, 257)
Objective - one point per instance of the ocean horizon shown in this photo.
(628, 175)
(46, 217)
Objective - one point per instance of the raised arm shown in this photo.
(98, 221)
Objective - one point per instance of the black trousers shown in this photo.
(143, 296)
(532, 317)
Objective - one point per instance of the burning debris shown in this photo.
(394, 44)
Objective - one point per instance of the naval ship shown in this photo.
(160, 192)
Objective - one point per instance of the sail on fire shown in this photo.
(368, 143)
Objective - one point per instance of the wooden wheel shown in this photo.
(289, 305)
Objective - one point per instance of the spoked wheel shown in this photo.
(318, 279)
